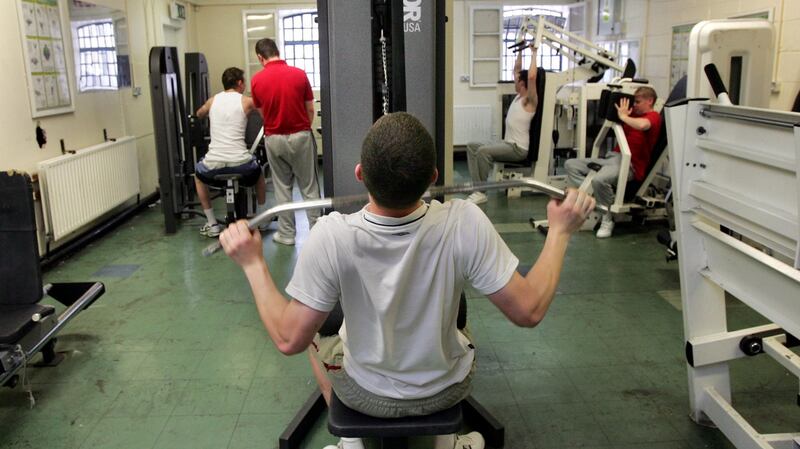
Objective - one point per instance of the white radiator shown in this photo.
(78, 188)
(472, 123)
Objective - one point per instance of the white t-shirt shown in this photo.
(227, 126)
(518, 124)
(399, 281)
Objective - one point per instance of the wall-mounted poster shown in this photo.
(45, 60)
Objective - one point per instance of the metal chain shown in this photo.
(385, 89)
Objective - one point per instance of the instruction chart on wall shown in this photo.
(679, 57)
(45, 57)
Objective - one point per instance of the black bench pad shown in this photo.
(15, 320)
(346, 422)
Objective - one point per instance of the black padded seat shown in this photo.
(346, 422)
(16, 320)
(225, 177)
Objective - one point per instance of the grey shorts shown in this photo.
(329, 352)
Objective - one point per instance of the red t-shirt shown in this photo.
(641, 143)
(281, 92)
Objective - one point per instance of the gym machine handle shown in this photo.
(433, 192)
(716, 84)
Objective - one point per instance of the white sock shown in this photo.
(261, 208)
(212, 220)
(445, 441)
(352, 443)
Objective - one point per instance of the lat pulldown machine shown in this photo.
(355, 92)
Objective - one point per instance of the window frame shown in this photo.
(508, 57)
(85, 47)
(250, 58)
(315, 75)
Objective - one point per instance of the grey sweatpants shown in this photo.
(481, 156)
(293, 157)
(604, 181)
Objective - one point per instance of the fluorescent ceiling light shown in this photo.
(262, 28)
(259, 17)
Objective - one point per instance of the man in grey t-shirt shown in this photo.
(398, 268)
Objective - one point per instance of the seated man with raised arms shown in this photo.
(398, 267)
(514, 146)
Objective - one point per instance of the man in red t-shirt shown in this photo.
(284, 96)
(641, 125)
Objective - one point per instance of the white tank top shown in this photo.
(228, 123)
(518, 124)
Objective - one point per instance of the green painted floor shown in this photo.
(174, 356)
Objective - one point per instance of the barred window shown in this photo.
(97, 52)
(549, 58)
(300, 34)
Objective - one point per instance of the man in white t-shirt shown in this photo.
(514, 146)
(398, 268)
(227, 153)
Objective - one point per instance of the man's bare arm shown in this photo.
(248, 106)
(525, 300)
(310, 110)
(205, 108)
(533, 96)
(518, 64)
(291, 325)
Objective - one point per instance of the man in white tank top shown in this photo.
(514, 146)
(398, 268)
(227, 152)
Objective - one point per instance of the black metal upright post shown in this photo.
(197, 93)
(170, 127)
(439, 76)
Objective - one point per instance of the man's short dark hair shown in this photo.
(267, 48)
(398, 159)
(647, 92)
(231, 77)
(523, 76)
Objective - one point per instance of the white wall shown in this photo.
(651, 22)
(93, 111)
(664, 14)
(117, 111)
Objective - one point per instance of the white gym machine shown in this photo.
(743, 53)
(587, 60)
(736, 187)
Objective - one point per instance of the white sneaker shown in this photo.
(209, 230)
(477, 198)
(606, 227)
(283, 240)
(352, 443)
(472, 440)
